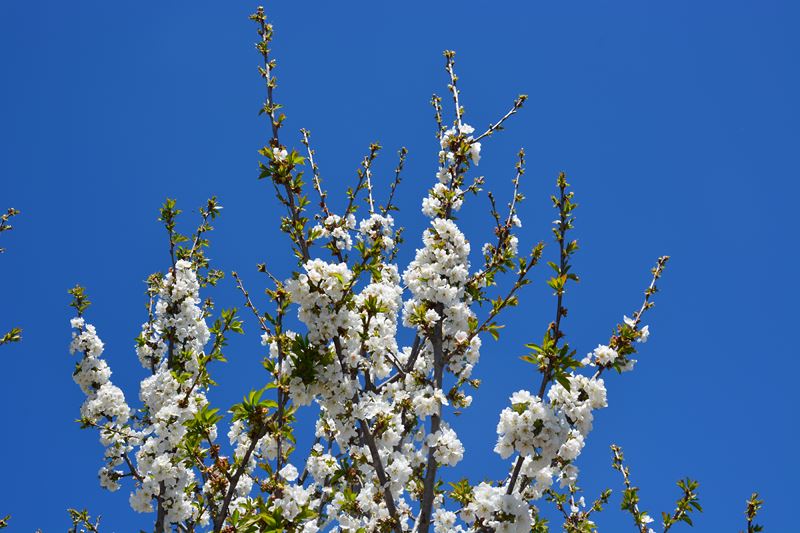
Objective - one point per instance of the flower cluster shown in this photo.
(531, 428)
(437, 280)
(461, 134)
(550, 436)
(105, 406)
(337, 229)
(179, 331)
(319, 294)
(492, 509)
(448, 450)
(171, 346)
(579, 400)
(377, 230)
(378, 305)
(457, 149)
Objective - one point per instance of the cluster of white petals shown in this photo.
(530, 427)
(179, 332)
(446, 193)
(318, 293)
(105, 406)
(584, 395)
(437, 279)
(338, 230)
(492, 509)
(448, 450)
(602, 355)
(377, 230)
(464, 131)
(550, 435)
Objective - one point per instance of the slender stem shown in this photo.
(534, 259)
(219, 520)
(651, 289)
(450, 55)
(315, 172)
(249, 304)
(502, 230)
(634, 508)
(437, 341)
(265, 31)
(377, 464)
(409, 366)
(133, 470)
(368, 172)
(282, 396)
(498, 125)
(563, 226)
(397, 177)
(436, 102)
(200, 230)
(302, 479)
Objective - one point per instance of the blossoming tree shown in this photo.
(382, 436)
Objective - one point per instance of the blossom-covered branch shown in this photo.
(382, 435)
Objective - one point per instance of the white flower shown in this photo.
(644, 333)
(466, 129)
(448, 449)
(475, 152)
(604, 355)
(288, 472)
(431, 317)
(279, 154)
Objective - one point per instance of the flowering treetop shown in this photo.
(382, 436)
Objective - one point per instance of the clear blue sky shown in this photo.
(677, 123)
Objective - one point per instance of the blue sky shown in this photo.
(676, 122)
